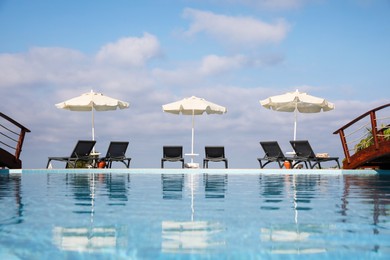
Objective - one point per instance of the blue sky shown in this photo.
(231, 52)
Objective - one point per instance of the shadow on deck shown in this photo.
(371, 144)
(11, 141)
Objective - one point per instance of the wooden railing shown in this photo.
(365, 131)
(11, 141)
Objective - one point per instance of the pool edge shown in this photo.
(196, 171)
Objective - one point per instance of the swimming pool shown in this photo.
(118, 215)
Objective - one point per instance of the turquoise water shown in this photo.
(194, 216)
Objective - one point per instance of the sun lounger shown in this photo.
(273, 153)
(304, 153)
(79, 157)
(116, 152)
(172, 154)
(214, 154)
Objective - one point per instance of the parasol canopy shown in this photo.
(297, 102)
(92, 101)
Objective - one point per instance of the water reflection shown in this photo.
(275, 188)
(90, 239)
(94, 238)
(191, 236)
(215, 185)
(117, 186)
(11, 199)
(84, 188)
(271, 190)
(292, 240)
(337, 214)
(194, 236)
(172, 186)
(304, 188)
(373, 191)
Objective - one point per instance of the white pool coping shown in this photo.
(194, 171)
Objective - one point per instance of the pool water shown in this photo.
(194, 216)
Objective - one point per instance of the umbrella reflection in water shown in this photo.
(90, 238)
(291, 239)
(190, 236)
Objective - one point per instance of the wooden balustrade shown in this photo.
(11, 142)
(377, 152)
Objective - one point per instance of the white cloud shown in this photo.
(190, 75)
(130, 51)
(239, 31)
(213, 64)
(39, 65)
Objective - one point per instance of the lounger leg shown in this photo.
(162, 164)
(338, 164)
(261, 165)
(280, 164)
(48, 163)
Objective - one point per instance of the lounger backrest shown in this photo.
(173, 151)
(117, 149)
(215, 152)
(302, 148)
(82, 148)
(272, 149)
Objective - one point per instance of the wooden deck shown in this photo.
(366, 140)
(11, 141)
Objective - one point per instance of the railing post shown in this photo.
(8, 159)
(345, 146)
(374, 130)
(20, 143)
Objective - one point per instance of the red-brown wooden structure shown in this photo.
(377, 154)
(12, 136)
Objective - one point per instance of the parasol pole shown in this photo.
(93, 122)
(93, 128)
(295, 123)
(93, 125)
(295, 118)
(295, 114)
(93, 118)
(192, 139)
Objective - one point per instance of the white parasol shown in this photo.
(297, 102)
(92, 101)
(193, 106)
